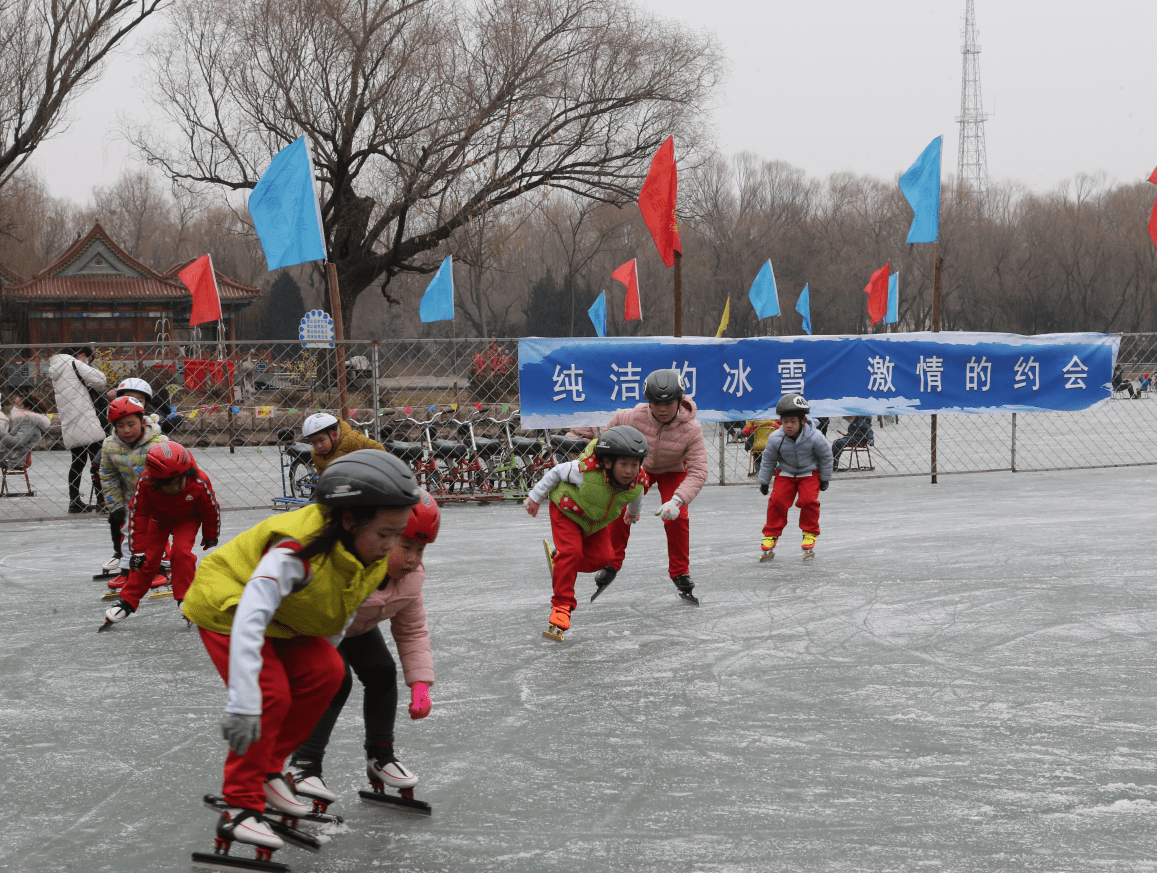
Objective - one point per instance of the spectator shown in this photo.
(28, 424)
(80, 425)
(1120, 383)
(859, 434)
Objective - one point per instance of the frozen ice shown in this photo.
(962, 679)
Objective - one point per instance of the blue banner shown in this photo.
(568, 382)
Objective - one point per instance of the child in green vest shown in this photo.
(586, 495)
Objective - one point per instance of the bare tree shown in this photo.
(424, 115)
(50, 51)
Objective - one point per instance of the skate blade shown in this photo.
(292, 835)
(689, 599)
(316, 817)
(395, 801)
(766, 556)
(554, 633)
(101, 577)
(549, 556)
(157, 594)
(809, 554)
(599, 591)
(210, 861)
(106, 626)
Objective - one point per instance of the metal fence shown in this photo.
(450, 409)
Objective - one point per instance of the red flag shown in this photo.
(1153, 215)
(629, 276)
(657, 202)
(877, 291)
(198, 278)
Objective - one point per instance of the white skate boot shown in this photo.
(389, 771)
(280, 795)
(119, 611)
(112, 564)
(247, 826)
(307, 782)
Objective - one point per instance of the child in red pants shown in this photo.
(271, 605)
(172, 499)
(801, 459)
(586, 495)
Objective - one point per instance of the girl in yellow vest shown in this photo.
(272, 604)
(586, 495)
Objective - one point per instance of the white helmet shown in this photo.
(316, 423)
(134, 385)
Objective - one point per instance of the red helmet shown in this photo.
(168, 460)
(424, 519)
(123, 406)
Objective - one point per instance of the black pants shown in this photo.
(80, 456)
(371, 660)
(116, 522)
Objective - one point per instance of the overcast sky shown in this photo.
(850, 85)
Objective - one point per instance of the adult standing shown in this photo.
(80, 425)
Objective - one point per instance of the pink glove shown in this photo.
(420, 700)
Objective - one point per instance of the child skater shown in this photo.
(801, 459)
(270, 606)
(122, 459)
(172, 499)
(399, 599)
(677, 464)
(586, 495)
(329, 438)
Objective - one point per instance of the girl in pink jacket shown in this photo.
(364, 650)
(676, 462)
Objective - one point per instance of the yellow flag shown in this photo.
(726, 318)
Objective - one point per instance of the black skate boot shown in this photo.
(686, 586)
(603, 578)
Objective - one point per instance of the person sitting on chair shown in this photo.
(28, 424)
(859, 434)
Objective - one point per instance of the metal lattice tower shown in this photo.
(972, 167)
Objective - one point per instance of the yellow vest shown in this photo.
(340, 581)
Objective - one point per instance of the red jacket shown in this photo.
(153, 506)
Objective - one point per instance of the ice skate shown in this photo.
(110, 569)
(603, 578)
(684, 584)
(117, 582)
(767, 548)
(559, 623)
(809, 545)
(249, 826)
(307, 783)
(383, 769)
(551, 554)
(280, 796)
(118, 612)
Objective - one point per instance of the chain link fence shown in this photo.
(450, 409)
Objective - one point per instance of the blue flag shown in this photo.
(438, 301)
(763, 295)
(921, 185)
(598, 314)
(285, 211)
(893, 299)
(804, 307)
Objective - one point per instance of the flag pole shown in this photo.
(937, 264)
(338, 334)
(678, 294)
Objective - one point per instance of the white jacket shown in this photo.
(79, 424)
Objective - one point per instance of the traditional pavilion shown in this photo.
(96, 293)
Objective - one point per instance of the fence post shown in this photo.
(722, 442)
(1014, 442)
(374, 370)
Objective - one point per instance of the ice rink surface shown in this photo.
(962, 679)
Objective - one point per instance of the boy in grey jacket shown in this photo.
(801, 459)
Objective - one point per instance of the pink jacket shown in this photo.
(673, 447)
(401, 602)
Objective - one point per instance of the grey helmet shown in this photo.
(367, 477)
(663, 386)
(792, 404)
(621, 441)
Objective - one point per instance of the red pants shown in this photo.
(576, 554)
(784, 490)
(299, 678)
(678, 531)
(184, 533)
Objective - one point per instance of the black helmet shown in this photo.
(367, 477)
(792, 404)
(663, 386)
(621, 441)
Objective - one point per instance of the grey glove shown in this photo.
(824, 485)
(763, 487)
(240, 731)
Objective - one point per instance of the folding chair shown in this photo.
(854, 458)
(20, 469)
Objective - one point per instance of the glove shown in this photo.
(420, 700)
(629, 519)
(208, 544)
(764, 488)
(531, 507)
(136, 562)
(824, 485)
(240, 731)
(669, 511)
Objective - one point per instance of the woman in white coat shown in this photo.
(80, 426)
